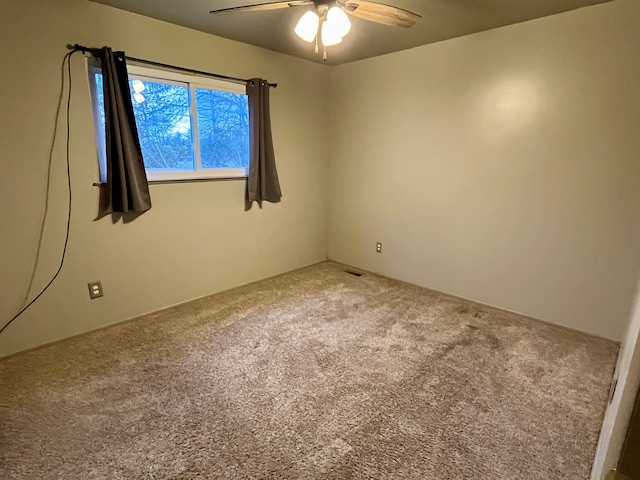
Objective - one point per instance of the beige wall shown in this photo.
(197, 239)
(503, 167)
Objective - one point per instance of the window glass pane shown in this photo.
(99, 112)
(167, 126)
(163, 121)
(223, 129)
(164, 124)
(100, 92)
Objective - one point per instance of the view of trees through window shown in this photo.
(223, 127)
(167, 130)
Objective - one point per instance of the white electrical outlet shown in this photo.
(95, 290)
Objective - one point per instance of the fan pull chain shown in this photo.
(324, 55)
(316, 43)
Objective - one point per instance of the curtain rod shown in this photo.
(96, 51)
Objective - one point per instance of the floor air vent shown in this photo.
(354, 273)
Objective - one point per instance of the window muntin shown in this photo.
(189, 127)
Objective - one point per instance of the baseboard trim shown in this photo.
(131, 319)
(444, 294)
(484, 305)
(615, 475)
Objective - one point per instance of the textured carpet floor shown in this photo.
(316, 374)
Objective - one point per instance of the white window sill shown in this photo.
(184, 180)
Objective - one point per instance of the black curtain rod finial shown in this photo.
(78, 47)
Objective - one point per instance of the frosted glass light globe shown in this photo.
(339, 21)
(138, 86)
(307, 26)
(329, 35)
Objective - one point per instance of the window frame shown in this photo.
(192, 82)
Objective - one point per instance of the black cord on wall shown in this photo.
(67, 58)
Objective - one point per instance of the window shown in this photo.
(189, 127)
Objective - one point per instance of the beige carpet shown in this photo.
(316, 374)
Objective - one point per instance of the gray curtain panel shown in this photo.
(126, 189)
(262, 183)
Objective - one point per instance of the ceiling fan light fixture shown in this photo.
(339, 21)
(327, 22)
(330, 35)
(307, 26)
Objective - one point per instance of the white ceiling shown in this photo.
(441, 20)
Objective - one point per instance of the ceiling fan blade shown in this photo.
(260, 7)
(381, 13)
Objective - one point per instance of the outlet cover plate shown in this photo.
(95, 290)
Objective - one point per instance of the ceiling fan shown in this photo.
(327, 22)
